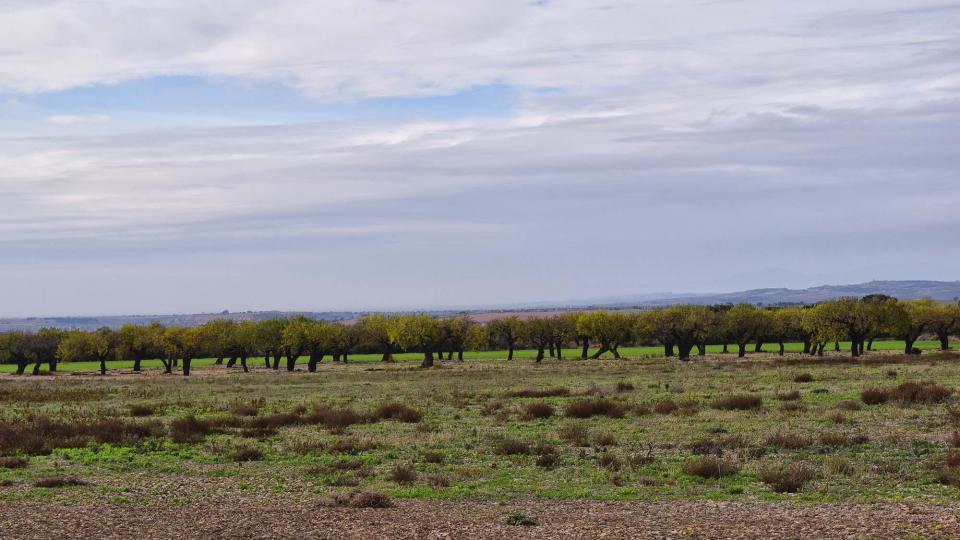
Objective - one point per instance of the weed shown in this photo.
(739, 402)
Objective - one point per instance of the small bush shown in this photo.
(361, 499)
(246, 453)
(838, 466)
(739, 402)
(710, 467)
(803, 378)
(836, 417)
(350, 445)
(433, 457)
(849, 405)
(334, 419)
(575, 433)
(398, 412)
(505, 447)
(792, 395)
(587, 408)
(189, 429)
(874, 396)
(786, 479)
(642, 410)
(272, 422)
(792, 407)
(920, 392)
(605, 439)
(953, 440)
(891, 374)
(788, 440)
(548, 461)
(949, 476)
(665, 406)
(533, 411)
(519, 519)
(403, 474)
(491, 407)
(12, 462)
(58, 481)
(539, 393)
(609, 461)
(438, 481)
(688, 407)
(245, 409)
(143, 409)
(624, 387)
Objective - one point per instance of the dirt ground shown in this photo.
(424, 519)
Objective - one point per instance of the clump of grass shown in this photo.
(793, 407)
(791, 395)
(13, 462)
(849, 405)
(578, 434)
(605, 439)
(788, 440)
(710, 466)
(920, 392)
(954, 439)
(874, 396)
(665, 406)
(398, 412)
(803, 378)
(586, 408)
(688, 407)
(642, 409)
(838, 466)
(58, 481)
(548, 461)
(539, 410)
(361, 499)
(491, 407)
(334, 419)
(434, 457)
(403, 474)
(271, 422)
(785, 478)
(739, 402)
(438, 481)
(519, 519)
(623, 386)
(507, 446)
(836, 417)
(239, 408)
(143, 409)
(609, 461)
(189, 429)
(539, 392)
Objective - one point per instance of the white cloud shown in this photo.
(67, 119)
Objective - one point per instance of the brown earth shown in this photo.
(276, 518)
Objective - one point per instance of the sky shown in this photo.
(170, 156)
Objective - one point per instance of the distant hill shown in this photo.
(945, 291)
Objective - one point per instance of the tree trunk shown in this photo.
(668, 349)
(219, 361)
(758, 347)
(726, 349)
(701, 349)
(243, 364)
(266, 360)
(854, 348)
(312, 363)
(585, 350)
(22, 366)
(510, 351)
(741, 350)
(870, 344)
(427, 359)
(460, 355)
(806, 346)
(232, 361)
(820, 349)
(539, 354)
(683, 351)
(36, 367)
(450, 355)
(336, 357)
(346, 357)
(781, 348)
(276, 361)
(387, 355)
(166, 365)
(186, 366)
(52, 365)
(615, 351)
(603, 348)
(552, 355)
(944, 341)
(136, 365)
(860, 345)
(559, 354)
(103, 366)
(836, 346)
(908, 346)
(292, 361)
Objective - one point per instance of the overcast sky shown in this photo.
(176, 156)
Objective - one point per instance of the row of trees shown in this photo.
(679, 330)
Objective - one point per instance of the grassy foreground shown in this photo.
(485, 433)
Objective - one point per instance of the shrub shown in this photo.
(245, 409)
(548, 461)
(739, 402)
(792, 406)
(954, 439)
(949, 476)
(920, 392)
(403, 474)
(688, 407)
(519, 519)
(953, 415)
(586, 408)
(361, 499)
(334, 419)
(788, 440)
(539, 393)
(12, 462)
(350, 445)
(624, 387)
(491, 407)
(143, 409)
(58, 481)
(575, 433)
(609, 461)
(874, 396)
(438, 481)
(189, 429)
(838, 466)
(506, 447)
(272, 422)
(642, 410)
(836, 417)
(532, 411)
(605, 439)
(792, 395)
(831, 438)
(849, 405)
(433, 457)
(803, 378)
(246, 453)
(665, 406)
(710, 467)
(786, 479)
(398, 412)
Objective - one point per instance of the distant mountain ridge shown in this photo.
(944, 291)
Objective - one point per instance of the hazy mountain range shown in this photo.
(947, 291)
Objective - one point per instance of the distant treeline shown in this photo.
(678, 329)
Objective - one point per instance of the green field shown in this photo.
(520, 354)
(475, 440)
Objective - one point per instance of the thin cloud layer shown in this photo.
(650, 146)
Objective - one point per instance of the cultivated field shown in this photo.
(779, 446)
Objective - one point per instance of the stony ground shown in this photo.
(423, 519)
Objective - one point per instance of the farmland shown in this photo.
(765, 430)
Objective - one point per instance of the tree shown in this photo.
(540, 332)
(912, 318)
(881, 310)
(241, 342)
(99, 345)
(608, 328)
(306, 335)
(787, 326)
(424, 333)
(945, 321)
(564, 329)
(387, 331)
(218, 332)
(138, 343)
(461, 333)
(653, 327)
(14, 349)
(508, 331)
(741, 323)
(850, 318)
(270, 340)
(765, 330)
(345, 339)
(687, 326)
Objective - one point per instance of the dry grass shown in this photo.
(398, 412)
(786, 478)
(738, 402)
(710, 467)
(791, 395)
(58, 481)
(360, 498)
(576, 433)
(403, 474)
(143, 409)
(507, 446)
(586, 408)
(665, 406)
(920, 392)
(534, 411)
(539, 393)
(788, 440)
(874, 396)
(13, 462)
(803, 378)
